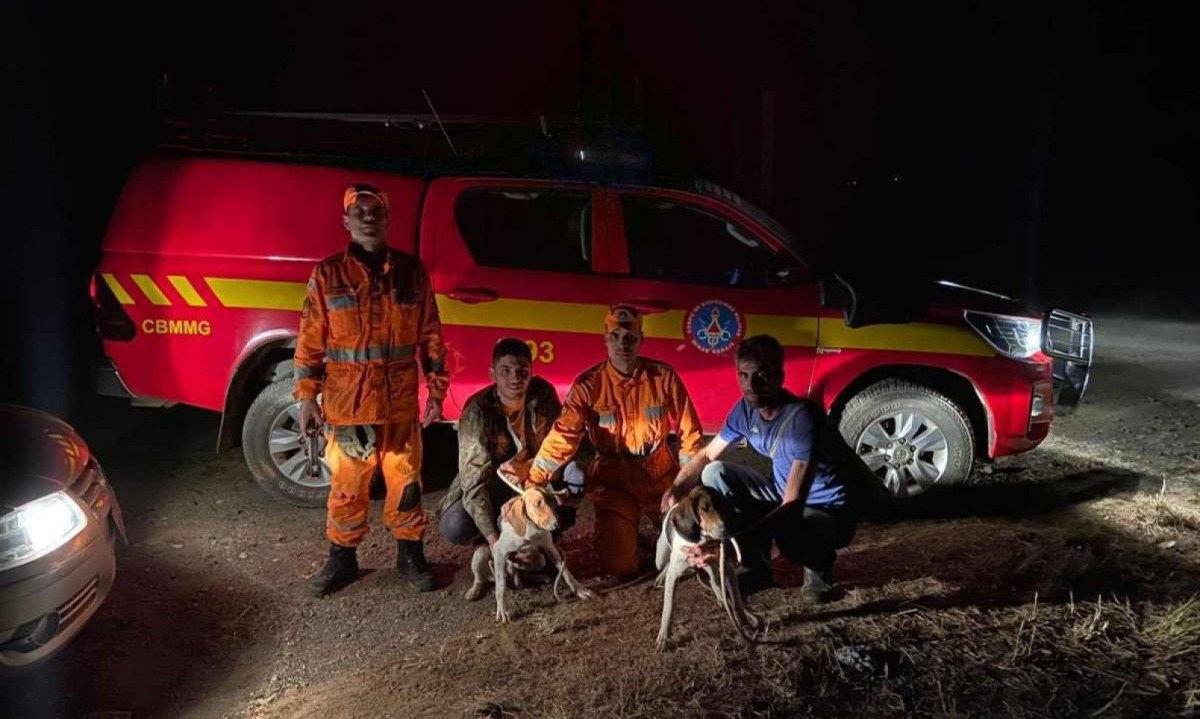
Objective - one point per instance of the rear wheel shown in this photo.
(910, 437)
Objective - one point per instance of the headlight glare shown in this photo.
(39, 527)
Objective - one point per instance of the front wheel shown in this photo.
(910, 437)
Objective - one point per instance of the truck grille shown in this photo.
(1068, 336)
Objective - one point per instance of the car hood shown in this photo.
(947, 294)
(44, 454)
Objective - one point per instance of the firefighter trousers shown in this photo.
(353, 454)
(623, 490)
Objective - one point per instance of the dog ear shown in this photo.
(539, 506)
(686, 520)
(514, 514)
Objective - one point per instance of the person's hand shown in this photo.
(311, 419)
(673, 494)
(668, 500)
(515, 473)
(433, 412)
(701, 555)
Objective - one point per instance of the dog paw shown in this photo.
(502, 616)
(661, 643)
(475, 592)
(585, 593)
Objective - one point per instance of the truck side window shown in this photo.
(528, 230)
(671, 242)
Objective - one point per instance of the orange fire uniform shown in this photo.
(627, 420)
(361, 336)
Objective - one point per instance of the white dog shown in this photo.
(694, 520)
(526, 522)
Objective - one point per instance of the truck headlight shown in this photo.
(1017, 337)
(39, 527)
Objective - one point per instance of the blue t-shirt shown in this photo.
(789, 437)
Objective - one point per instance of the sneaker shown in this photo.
(818, 586)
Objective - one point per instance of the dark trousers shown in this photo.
(808, 536)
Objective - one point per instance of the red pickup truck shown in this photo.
(205, 261)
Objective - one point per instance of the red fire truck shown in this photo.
(199, 286)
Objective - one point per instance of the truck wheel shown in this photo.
(271, 443)
(911, 437)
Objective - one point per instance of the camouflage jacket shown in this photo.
(485, 442)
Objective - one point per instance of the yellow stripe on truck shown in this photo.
(117, 289)
(151, 290)
(549, 317)
(518, 314)
(258, 294)
(914, 337)
(186, 291)
(790, 331)
(588, 318)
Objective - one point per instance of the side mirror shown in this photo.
(872, 303)
(837, 294)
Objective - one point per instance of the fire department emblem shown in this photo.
(713, 326)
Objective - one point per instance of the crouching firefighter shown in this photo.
(369, 317)
(627, 406)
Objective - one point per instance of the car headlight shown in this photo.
(38, 528)
(1017, 337)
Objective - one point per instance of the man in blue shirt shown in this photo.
(803, 505)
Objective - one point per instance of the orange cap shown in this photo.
(352, 193)
(623, 316)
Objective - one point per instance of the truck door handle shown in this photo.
(473, 295)
(647, 307)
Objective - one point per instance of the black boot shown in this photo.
(410, 562)
(340, 569)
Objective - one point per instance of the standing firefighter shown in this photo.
(368, 317)
(626, 406)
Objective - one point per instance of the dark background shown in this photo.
(1046, 151)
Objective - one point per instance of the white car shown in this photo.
(59, 521)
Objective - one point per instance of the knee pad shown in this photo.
(410, 498)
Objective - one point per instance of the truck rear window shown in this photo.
(673, 242)
(527, 230)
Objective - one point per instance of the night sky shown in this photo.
(1048, 151)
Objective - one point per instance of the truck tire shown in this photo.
(271, 444)
(911, 437)
(275, 414)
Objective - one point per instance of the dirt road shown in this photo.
(1058, 585)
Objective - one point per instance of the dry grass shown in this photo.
(1079, 612)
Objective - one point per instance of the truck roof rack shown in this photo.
(420, 143)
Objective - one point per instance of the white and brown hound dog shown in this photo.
(698, 519)
(526, 523)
